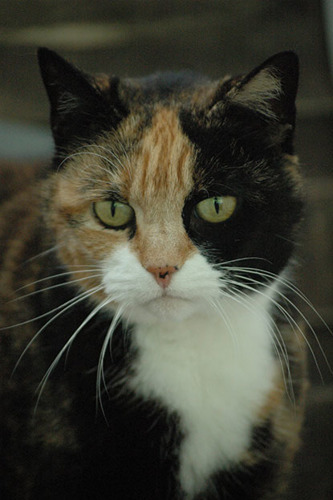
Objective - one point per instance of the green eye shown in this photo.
(113, 213)
(217, 209)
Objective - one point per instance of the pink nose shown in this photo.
(162, 274)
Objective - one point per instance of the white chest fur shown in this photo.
(215, 373)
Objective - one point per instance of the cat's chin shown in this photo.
(164, 308)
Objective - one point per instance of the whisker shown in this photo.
(67, 345)
(225, 263)
(100, 379)
(289, 317)
(107, 150)
(63, 308)
(277, 337)
(84, 266)
(117, 163)
(219, 308)
(42, 254)
(52, 276)
(288, 284)
(46, 313)
(295, 290)
(90, 153)
(64, 283)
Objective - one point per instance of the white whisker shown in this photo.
(279, 344)
(218, 306)
(31, 320)
(67, 346)
(286, 283)
(100, 379)
(89, 153)
(286, 314)
(52, 276)
(64, 283)
(46, 252)
(63, 308)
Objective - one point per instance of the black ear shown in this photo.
(270, 89)
(260, 106)
(80, 109)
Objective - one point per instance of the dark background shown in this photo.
(136, 37)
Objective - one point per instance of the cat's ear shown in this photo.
(262, 103)
(80, 106)
(270, 89)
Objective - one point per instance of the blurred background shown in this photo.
(136, 37)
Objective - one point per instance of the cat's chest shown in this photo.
(215, 372)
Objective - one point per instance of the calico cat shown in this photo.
(149, 346)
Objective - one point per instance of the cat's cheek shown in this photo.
(125, 280)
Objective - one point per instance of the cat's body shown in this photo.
(160, 369)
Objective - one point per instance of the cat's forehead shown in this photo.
(161, 165)
(148, 162)
(184, 87)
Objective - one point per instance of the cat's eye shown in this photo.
(216, 209)
(113, 214)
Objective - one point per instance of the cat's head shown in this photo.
(172, 193)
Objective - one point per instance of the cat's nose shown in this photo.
(162, 274)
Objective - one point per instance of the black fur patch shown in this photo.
(269, 210)
(80, 111)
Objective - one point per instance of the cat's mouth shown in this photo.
(169, 307)
(166, 298)
(169, 294)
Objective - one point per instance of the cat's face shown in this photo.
(180, 204)
(145, 258)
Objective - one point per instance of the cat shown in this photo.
(149, 343)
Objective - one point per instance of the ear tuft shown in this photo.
(270, 89)
(258, 93)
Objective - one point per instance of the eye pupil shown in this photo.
(113, 214)
(216, 209)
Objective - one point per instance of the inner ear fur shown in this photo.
(269, 90)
